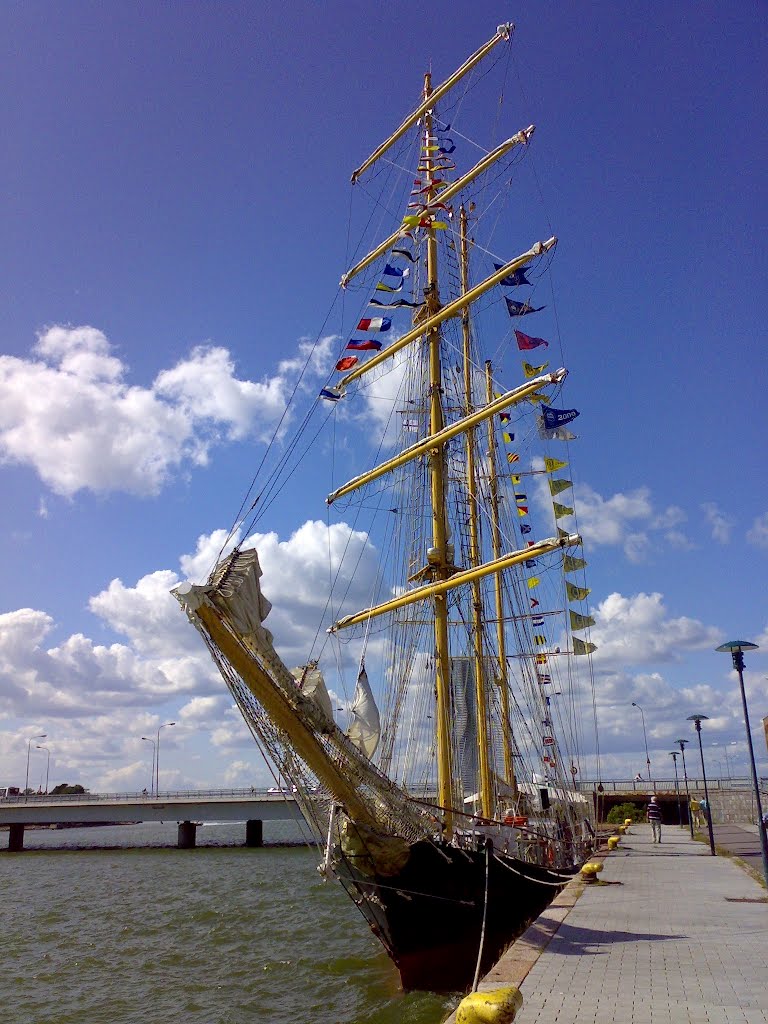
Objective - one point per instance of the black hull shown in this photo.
(429, 916)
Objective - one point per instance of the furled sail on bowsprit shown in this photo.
(447, 803)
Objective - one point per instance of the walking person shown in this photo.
(654, 817)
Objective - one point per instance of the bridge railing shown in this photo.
(666, 785)
(181, 794)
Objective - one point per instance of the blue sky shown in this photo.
(174, 202)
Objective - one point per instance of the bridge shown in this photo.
(732, 801)
(187, 808)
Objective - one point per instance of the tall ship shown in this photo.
(443, 791)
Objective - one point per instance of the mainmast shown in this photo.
(506, 730)
(441, 566)
(487, 807)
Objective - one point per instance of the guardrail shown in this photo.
(666, 785)
(181, 794)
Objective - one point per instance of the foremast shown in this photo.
(440, 568)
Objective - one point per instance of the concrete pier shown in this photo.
(16, 838)
(669, 933)
(187, 835)
(254, 832)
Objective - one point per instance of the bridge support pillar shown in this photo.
(187, 835)
(253, 832)
(16, 838)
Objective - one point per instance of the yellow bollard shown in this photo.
(496, 1007)
(622, 829)
(590, 871)
(627, 823)
(613, 842)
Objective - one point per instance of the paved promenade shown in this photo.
(676, 935)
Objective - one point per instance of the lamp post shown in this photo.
(727, 762)
(681, 744)
(148, 739)
(47, 764)
(42, 736)
(645, 739)
(673, 754)
(157, 758)
(697, 720)
(736, 649)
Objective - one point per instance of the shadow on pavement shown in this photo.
(572, 941)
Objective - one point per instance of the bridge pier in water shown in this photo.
(187, 835)
(254, 833)
(16, 838)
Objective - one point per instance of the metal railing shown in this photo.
(181, 794)
(666, 785)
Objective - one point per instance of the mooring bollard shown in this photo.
(627, 823)
(590, 871)
(613, 842)
(496, 1007)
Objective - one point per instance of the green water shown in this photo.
(216, 935)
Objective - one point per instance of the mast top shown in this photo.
(503, 33)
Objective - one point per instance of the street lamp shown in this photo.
(47, 765)
(645, 739)
(674, 755)
(736, 649)
(727, 762)
(149, 739)
(157, 758)
(42, 736)
(681, 744)
(698, 719)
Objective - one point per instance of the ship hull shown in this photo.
(429, 916)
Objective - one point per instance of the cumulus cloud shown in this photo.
(719, 524)
(627, 520)
(637, 630)
(70, 413)
(159, 657)
(758, 532)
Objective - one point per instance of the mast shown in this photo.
(486, 793)
(509, 765)
(438, 555)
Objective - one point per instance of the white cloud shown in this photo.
(69, 412)
(637, 630)
(720, 525)
(758, 532)
(627, 520)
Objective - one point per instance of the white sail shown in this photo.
(365, 728)
(310, 680)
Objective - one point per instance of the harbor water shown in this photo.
(114, 925)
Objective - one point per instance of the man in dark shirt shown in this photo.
(654, 816)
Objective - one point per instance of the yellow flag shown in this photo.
(516, 479)
(575, 593)
(533, 371)
(508, 438)
(580, 647)
(534, 581)
(554, 464)
(561, 510)
(512, 457)
(538, 398)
